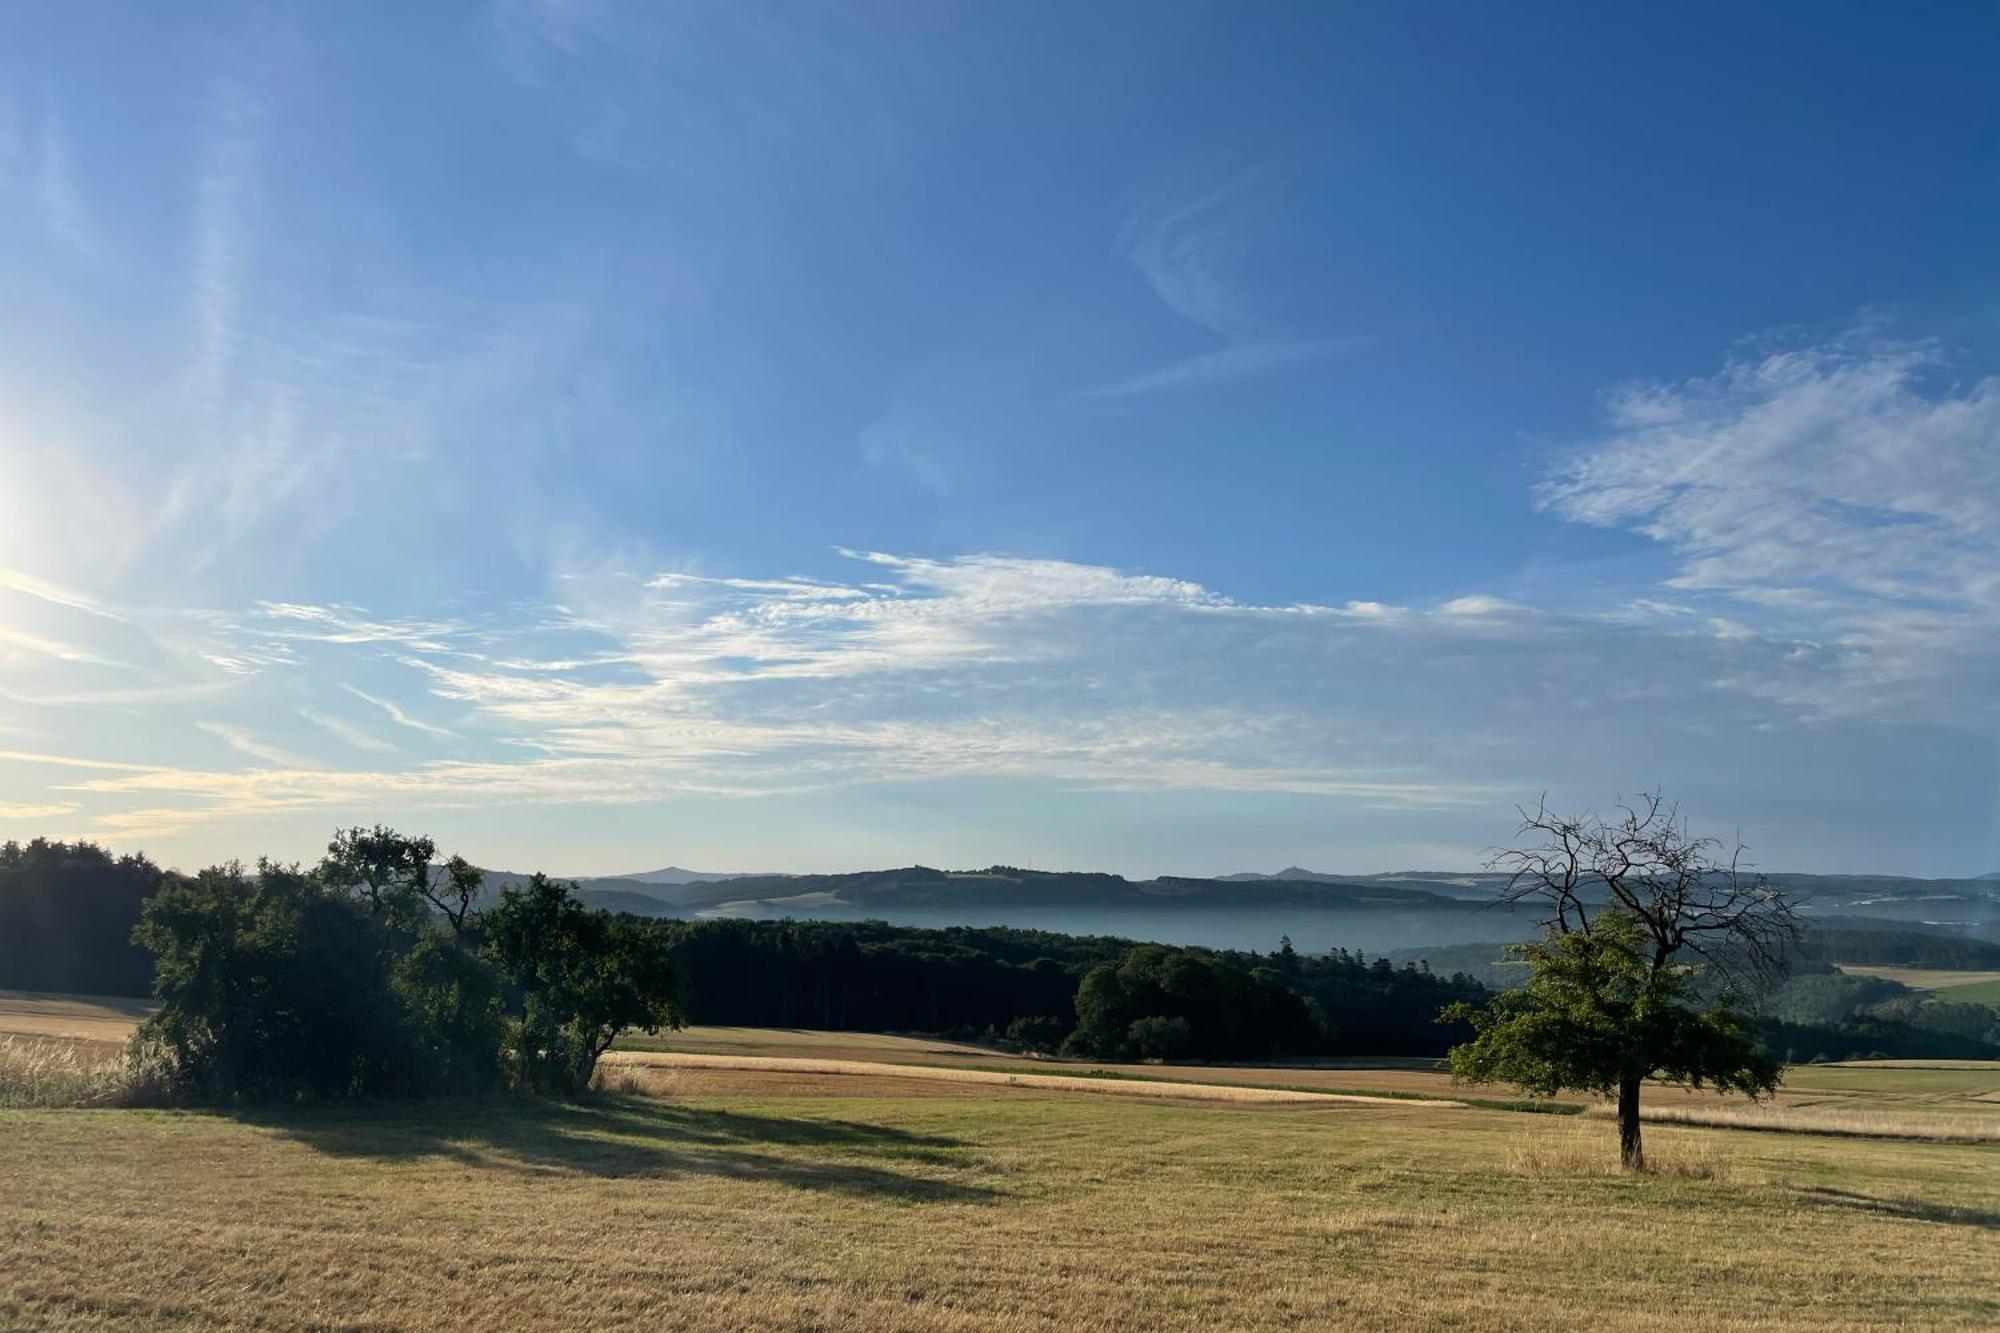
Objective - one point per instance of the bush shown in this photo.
(1038, 1032)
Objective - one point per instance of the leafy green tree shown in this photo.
(1156, 1038)
(454, 892)
(387, 871)
(1597, 1016)
(1037, 1032)
(453, 1018)
(1650, 948)
(66, 916)
(344, 981)
(583, 976)
(1223, 1010)
(270, 987)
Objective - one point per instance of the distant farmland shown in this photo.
(1954, 986)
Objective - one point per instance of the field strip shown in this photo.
(1833, 1122)
(1117, 1087)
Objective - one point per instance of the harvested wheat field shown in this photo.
(775, 1199)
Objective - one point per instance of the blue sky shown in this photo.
(1156, 437)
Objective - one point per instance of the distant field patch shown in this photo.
(1050, 1082)
(1840, 1120)
(1945, 984)
(93, 1018)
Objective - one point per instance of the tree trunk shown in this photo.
(1630, 1153)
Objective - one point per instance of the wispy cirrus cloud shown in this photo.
(254, 747)
(42, 590)
(396, 714)
(1847, 492)
(976, 669)
(346, 732)
(37, 170)
(1193, 252)
(1006, 668)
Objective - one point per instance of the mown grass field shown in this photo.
(755, 1200)
(761, 1198)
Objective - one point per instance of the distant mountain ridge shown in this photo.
(679, 875)
(1816, 893)
(669, 892)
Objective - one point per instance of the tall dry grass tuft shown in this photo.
(619, 1081)
(56, 1072)
(1573, 1149)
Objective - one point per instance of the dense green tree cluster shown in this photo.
(1159, 1002)
(582, 977)
(874, 977)
(371, 975)
(1370, 1007)
(1884, 947)
(66, 915)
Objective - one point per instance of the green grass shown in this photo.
(1971, 992)
(772, 1201)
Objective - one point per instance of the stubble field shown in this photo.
(758, 1197)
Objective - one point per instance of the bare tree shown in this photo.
(1651, 938)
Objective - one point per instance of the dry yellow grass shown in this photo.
(1575, 1147)
(58, 1071)
(619, 1061)
(986, 1208)
(865, 1187)
(107, 1019)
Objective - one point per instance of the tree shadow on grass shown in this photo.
(1916, 1209)
(615, 1137)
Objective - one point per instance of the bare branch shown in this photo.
(1645, 863)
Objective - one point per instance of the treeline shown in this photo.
(984, 981)
(1899, 948)
(67, 912)
(874, 977)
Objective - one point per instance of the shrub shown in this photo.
(1038, 1032)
